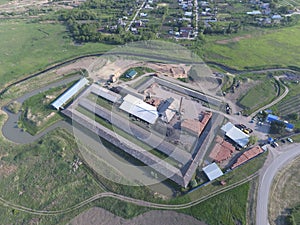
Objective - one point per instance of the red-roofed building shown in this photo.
(195, 126)
(222, 150)
(247, 155)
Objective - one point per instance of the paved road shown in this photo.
(12, 132)
(277, 159)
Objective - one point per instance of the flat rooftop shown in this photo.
(139, 108)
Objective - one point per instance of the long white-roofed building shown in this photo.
(139, 108)
(71, 92)
(105, 93)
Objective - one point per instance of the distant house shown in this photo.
(131, 74)
(276, 17)
(188, 14)
(255, 12)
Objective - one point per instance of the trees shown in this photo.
(253, 139)
(277, 127)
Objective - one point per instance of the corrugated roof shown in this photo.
(212, 171)
(66, 96)
(139, 108)
(225, 128)
(105, 93)
(235, 134)
(247, 155)
(271, 118)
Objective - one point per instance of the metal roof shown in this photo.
(105, 93)
(212, 171)
(235, 134)
(225, 128)
(139, 108)
(66, 96)
(271, 118)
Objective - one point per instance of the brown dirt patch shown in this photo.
(233, 40)
(5, 168)
(101, 216)
(243, 88)
(84, 63)
(285, 193)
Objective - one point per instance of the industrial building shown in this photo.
(235, 134)
(70, 93)
(168, 109)
(183, 162)
(139, 108)
(247, 155)
(212, 171)
(222, 150)
(105, 93)
(272, 118)
(194, 126)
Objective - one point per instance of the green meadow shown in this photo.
(29, 47)
(257, 50)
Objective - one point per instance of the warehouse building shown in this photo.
(272, 118)
(70, 93)
(235, 134)
(194, 126)
(139, 108)
(168, 109)
(105, 93)
(247, 155)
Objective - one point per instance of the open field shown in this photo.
(261, 94)
(285, 193)
(296, 138)
(227, 208)
(290, 104)
(30, 47)
(269, 48)
(157, 217)
(40, 176)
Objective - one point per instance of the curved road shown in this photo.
(10, 129)
(125, 199)
(279, 158)
(286, 91)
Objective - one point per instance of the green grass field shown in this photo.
(40, 176)
(268, 48)
(295, 216)
(260, 95)
(227, 208)
(29, 47)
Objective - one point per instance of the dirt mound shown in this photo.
(99, 216)
(232, 40)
